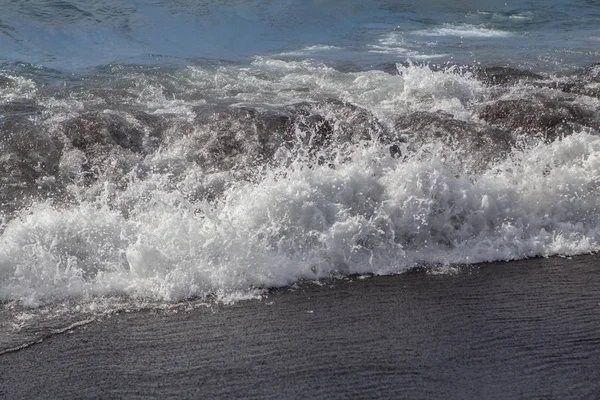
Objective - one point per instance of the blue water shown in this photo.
(76, 34)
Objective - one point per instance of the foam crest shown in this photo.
(309, 50)
(464, 31)
(365, 212)
(449, 90)
(16, 88)
(277, 82)
(398, 45)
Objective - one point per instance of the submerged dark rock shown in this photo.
(350, 123)
(549, 117)
(103, 129)
(235, 137)
(585, 81)
(5, 81)
(395, 151)
(389, 68)
(29, 162)
(506, 75)
(483, 144)
(19, 108)
(111, 144)
(28, 152)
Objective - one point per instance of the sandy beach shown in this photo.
(524, 329)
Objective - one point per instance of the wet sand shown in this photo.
(525, 329)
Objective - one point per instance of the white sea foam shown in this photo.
(463, 30)
(364, 212)
(521, 17)
(276, 82)
(308, 50)
(374, 214)
(395, 43)
(400, 51)
(18, 88)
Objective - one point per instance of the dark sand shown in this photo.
(526, 329)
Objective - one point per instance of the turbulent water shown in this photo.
(158, 151)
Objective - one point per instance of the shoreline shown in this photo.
(524, 328)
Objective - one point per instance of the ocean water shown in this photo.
(161, 153)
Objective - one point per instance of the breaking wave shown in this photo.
(226, 179)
